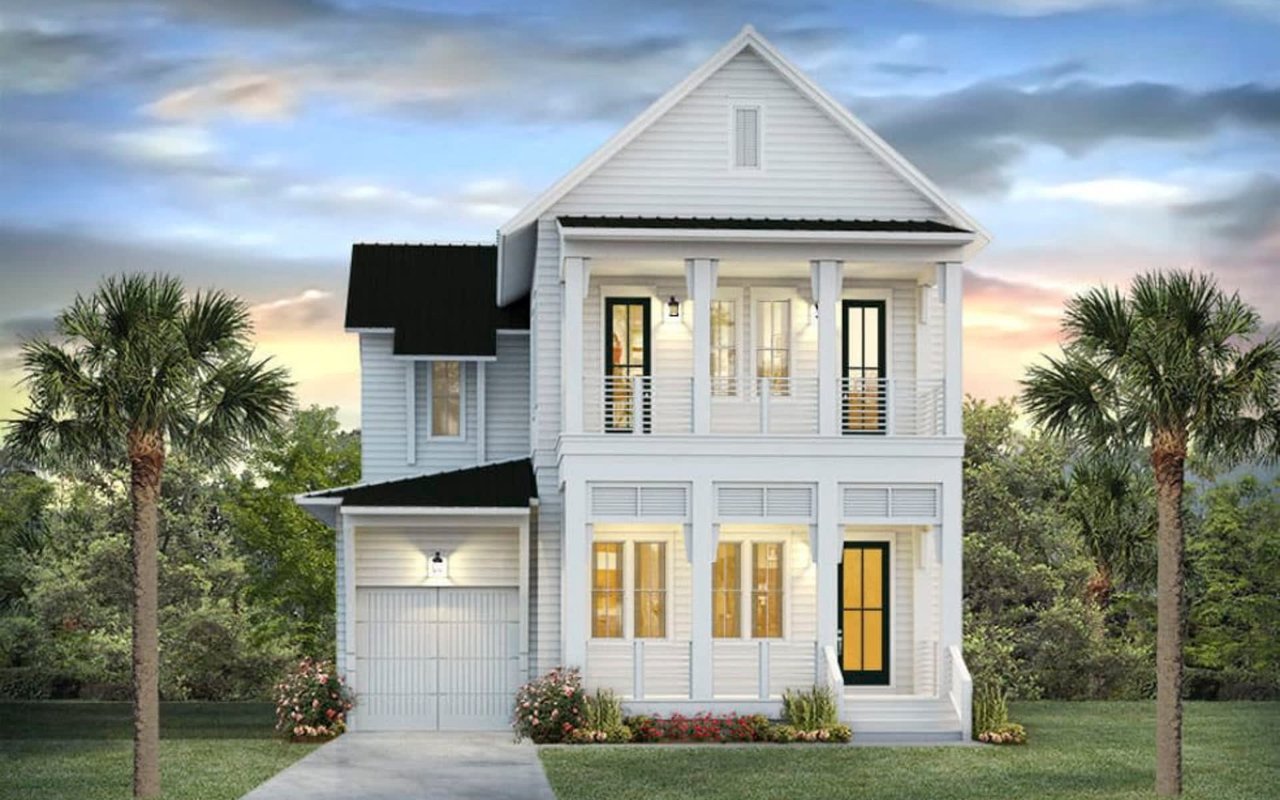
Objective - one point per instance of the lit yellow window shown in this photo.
(766, 590)
(726, 592)
(446, 398)
(651, 590)
(606, 590)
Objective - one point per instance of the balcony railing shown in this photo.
(661, 404)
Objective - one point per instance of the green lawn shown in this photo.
(1077, 750)
(83, 750)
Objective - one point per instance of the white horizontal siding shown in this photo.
(507, 400)
(811, 166)
(398, 556)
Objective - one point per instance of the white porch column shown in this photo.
(700, 277)
(576, 563)
(952, 287)
(828, 282)
(952, 548)
(826, 544)
(700, 546)
(573, 275)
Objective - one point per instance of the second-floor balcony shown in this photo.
(658, 405)
(840, 338)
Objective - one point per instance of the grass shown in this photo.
(1077, 750)
(84, 750)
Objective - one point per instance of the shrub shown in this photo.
(312, 701)
(832, 734)
(700, 728)
(550, 708)
(1008, 733)
(990, 707)
(811, 709)
(601, 720)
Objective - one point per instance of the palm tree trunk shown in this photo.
(146, 463)
(1168, 453)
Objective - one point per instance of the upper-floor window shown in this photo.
(773, 343)
(746, 137)
(724, 347)
(446, 398)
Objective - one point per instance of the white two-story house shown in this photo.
(692, 425)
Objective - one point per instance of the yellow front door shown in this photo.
(864, 613)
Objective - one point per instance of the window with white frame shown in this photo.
(763, 594)
(773, 343)
(446, 399)
(642, 588)
(746, 137)
(724, 347)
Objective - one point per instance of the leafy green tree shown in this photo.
(24, 496)
(1233, 557)
(1167, 368)
(141, 369)
(291, 554)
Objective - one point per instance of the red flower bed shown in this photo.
(699, 728)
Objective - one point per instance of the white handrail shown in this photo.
(961, 691)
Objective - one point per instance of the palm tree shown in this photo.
(1171, 368)
(142, 368)
(1111, 496)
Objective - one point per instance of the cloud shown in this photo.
(309, 309)
(1035, 8)
(901, 69)
(1249, 214)
(165, 145)
(1107, 192)
(968, 138)
(254, 96)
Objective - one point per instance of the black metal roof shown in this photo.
(506, 484)
(776, 224)
(439, 298)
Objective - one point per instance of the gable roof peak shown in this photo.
(747, 37)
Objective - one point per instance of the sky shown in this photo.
(245, 144)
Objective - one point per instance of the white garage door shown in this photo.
(436, 659)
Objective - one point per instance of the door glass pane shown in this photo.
(872, 580)
(726, 591)
(852, 629)
(606, 590)
(873, 644)
(865, 389)
(651, 590)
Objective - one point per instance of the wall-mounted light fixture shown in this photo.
(673, 307)
(438, 566)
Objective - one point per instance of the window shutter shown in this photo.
(746, 127)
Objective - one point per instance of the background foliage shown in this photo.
(246, 577)
(1059, 601)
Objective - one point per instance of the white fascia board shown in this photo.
(369, 330)
(783, 236)
(513, 331)
(748, 37)
(415, 357)
(434, 511)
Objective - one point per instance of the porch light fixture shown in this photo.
(673, 307)
(438, 566)
(815, 309)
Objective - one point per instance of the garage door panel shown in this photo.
(436, 658)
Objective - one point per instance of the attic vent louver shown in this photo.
(746, 137)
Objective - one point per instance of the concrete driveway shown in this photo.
(413, 766)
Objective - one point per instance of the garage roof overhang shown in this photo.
(504, 488)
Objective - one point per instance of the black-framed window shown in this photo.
(864, 359)
(627, 354)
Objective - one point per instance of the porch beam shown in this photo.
(573, 579)
(828, 283)
(702, 553)
(700, 276)
(952, 287)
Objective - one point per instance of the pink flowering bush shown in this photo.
(312, 701)
(549, 709)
